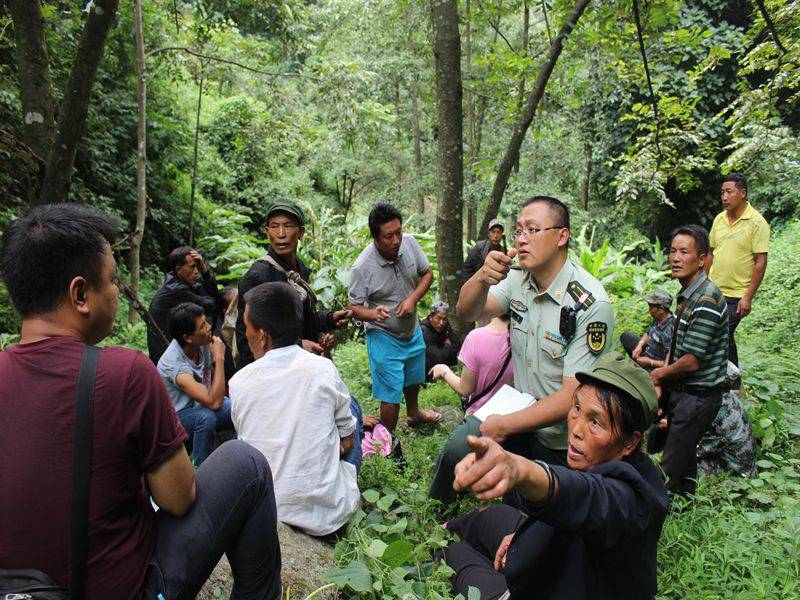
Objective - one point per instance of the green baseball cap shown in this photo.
(659, 298)
(621, 372)
(288, 206)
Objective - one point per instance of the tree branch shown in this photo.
(770, 25)
(647, 75)
(226, 61)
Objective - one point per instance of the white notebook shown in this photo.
(506, 400)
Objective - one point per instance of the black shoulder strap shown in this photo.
(81, 472)
(485, 390)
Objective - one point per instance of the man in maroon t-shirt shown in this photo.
(58, 267)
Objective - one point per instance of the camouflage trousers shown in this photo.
(729, 444)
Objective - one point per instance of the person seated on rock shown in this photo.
(188, 279)
(486, 356)
(193, 369)
(59, 270)
(592, 528)
(650, 350)
(293, 406)
(442, 343)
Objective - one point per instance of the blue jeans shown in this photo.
(234, 514)
(354, 456)
(200, 424)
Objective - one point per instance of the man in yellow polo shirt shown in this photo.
(739, 244)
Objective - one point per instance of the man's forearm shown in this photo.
(472, 299)
(362, 313)
(685, 365)
(218, 384)
(758, 276)
(423, 286)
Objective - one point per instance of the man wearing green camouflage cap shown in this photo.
(285, 228)
(589, 530)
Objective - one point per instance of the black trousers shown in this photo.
(472, 558)
(234, 514)
(732, 305)
(689, 417)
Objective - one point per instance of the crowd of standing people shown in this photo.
(583, 503)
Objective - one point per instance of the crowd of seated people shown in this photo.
(583, 504)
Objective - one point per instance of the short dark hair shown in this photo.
(380, 214)
(556, 206)
(699, 234)
(737, 178)
(275, 308)
(177, 258)
(47, 248)
(625, 412)
(182, 319)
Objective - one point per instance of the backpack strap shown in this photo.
(81, 474)
(293, 278)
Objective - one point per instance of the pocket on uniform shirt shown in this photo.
(551, 365)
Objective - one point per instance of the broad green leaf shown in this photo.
(356, 576)
(398, 553)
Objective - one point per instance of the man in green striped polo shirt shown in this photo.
(697, 363)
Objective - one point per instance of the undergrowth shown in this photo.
(739, 538)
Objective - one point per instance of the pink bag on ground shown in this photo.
(378, 438)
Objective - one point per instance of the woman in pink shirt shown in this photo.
(484, 354)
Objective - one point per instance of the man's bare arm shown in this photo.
(172, 483)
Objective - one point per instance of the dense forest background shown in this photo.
(334, 102)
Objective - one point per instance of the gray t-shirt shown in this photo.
(174, 362)
(375, 281)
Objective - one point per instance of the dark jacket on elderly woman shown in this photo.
(596, 539)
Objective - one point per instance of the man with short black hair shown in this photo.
(285, 228)
(293, 406)
(495, 240)
(59, 269)
(388, 279)
(738, 258)
(694, 374)
(193, 369)
(188, 279)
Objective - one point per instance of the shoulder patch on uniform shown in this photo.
(596, 336)
(580, 295)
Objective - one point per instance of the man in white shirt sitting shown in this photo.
(294, 407)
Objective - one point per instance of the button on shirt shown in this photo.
(735, 247)
(294, 407)
(375, 281)
(703, 332)
(542, 356)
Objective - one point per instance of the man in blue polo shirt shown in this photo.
(387, 280)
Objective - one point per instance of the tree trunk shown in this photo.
(587, 173)
(417, 146)
(398, 136)
(472, 208)
(450, 172)
(194, 159)
(525, 119)
(526, 19)
(77, 95)
(141, 161)
(34, 75)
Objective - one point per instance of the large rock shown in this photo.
(303, 562)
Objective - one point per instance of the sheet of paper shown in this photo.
(506, 400)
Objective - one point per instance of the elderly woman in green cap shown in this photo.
(592, 529)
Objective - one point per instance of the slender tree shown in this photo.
(75, 105)
(525, 119)
(141, 159)
(450, 172)
(34, 75)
